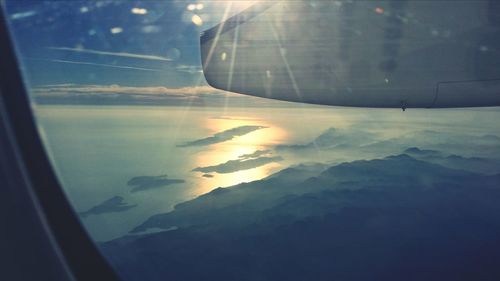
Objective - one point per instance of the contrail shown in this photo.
(115, 54)
(99, 64)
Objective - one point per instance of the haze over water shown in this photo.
(98, 149)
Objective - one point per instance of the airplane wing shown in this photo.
(390, 54)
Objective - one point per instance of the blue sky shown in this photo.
(124, 43)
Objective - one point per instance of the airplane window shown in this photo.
(188, 160)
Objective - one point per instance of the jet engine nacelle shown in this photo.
(402, 54)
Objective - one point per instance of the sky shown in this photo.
(143, 52)
(108, 47)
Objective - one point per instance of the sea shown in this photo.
(97, 150)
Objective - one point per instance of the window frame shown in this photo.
(37, 184)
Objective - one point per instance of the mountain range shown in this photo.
(395, 218)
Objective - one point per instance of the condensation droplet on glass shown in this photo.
(197, 20)
(483, 48)
(139, 11)
(22, 15)
(151, 29)
(116, 30)
(173, 54)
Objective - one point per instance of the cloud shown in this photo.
(116, 94)
(112, 205)
(199, 95)
(223, 136)
(232, 166)
(114, 54)
(143, 183)
(117, 89)
(138, 95)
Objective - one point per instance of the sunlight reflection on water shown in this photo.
(97, 150)
(233, 149)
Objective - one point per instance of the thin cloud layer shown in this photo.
(127, 95)
(135, 95)
(66, 89)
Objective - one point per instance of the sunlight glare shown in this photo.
(219, 153)
(241, 5)
(197, 20)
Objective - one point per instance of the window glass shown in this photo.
(176, 180)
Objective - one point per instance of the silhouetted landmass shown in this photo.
(255, 154)
(401, 170)
(355, 143)
(208, 176)
(223, 136)
(491, 138)
(332, 138)
(396, 218)
(232, 166)
(142, 183)
(298, 173)
(446, 142)
(475, 164)
(112, 205)
(415, 151)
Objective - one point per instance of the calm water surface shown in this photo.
(98, 149)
